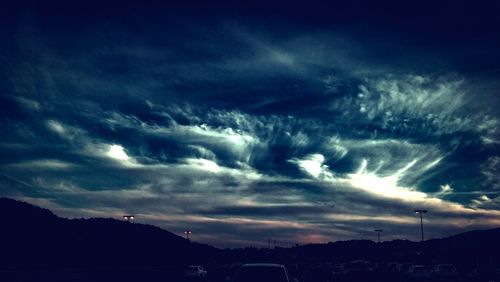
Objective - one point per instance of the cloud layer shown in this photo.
(242, 133)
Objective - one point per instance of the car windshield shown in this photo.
(261, 273)
(447, 267)
(357, 265)
(420, 268)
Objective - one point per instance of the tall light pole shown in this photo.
(188, 232)
(421, 212)
(378, 233)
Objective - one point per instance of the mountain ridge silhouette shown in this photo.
(34, 237)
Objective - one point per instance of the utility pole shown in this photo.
(421, 212)
(378, 233)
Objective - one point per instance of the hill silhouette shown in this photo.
(34, 238)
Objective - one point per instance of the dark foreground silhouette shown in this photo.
(36, 245)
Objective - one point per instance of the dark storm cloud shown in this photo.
(299, 128)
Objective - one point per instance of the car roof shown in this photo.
(262, 265)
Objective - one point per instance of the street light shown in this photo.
(421, 212)
(378, 233)
(188, 232)
(128, 218)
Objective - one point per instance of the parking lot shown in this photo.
(301, 272)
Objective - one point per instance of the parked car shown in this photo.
(337, 269)
(419, 272)
(357, 267)
(260, 272)
(317, 274)
(402, 268)
(445, 270)
(196, 271)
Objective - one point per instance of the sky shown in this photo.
(299, 122)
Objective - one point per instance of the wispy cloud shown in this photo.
(238, 131)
